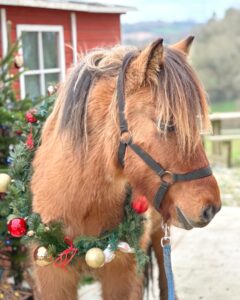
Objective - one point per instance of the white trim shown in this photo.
(41, 62)
(41, 71)
(44, 71)
(61, 57)
(36, 28)
(4, 32)
(74, 36)
(67, 5)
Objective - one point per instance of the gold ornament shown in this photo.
(5, 180)
(42, 257)
(46, 229)
(18, 60)
(17, 294)
(95, 258)
(30, 233)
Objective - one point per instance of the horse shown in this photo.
(151, 102)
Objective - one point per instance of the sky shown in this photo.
(173, 10)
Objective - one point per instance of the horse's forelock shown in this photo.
(181, 99)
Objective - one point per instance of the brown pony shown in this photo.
(77, 176)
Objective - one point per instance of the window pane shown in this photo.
(30, 50)
(51, 79)
(32, 86)
(50, 49)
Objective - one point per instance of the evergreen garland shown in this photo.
(51, 236)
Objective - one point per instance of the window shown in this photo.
(44, 59)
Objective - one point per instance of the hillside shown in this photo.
(143, 32)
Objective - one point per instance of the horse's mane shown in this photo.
(181, 99)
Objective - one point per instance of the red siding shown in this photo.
(97, 30)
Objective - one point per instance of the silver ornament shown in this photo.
(124, 247)
(109, 254)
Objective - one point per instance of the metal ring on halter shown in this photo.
(165, 240)
(167, 177)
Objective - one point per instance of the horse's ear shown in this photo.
(149, 60)
(184, 45)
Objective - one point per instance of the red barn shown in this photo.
(53, 32)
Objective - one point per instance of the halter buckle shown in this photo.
(167, 237)
(167, 178)
(126, 137)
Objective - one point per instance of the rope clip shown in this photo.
(167, 238)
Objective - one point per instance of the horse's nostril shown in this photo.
(208, 213)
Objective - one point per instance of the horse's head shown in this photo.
(165, 111)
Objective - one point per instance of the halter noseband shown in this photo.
(167, 177)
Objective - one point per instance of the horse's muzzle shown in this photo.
(206, 215)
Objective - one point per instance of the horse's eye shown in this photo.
(168, 127)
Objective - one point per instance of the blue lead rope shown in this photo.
(168, 270)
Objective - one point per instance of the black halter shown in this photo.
(167, 177)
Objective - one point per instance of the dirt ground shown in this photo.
(206, 262)
(229, 182)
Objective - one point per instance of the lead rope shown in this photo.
(166, 245)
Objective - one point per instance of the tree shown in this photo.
(11, 107)
(14, 129)
(216, 56)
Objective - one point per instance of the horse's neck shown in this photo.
(98, 204)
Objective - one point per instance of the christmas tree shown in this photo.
(12, 108)
(15, 202)
(14, 130)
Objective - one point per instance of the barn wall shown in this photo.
(38, 16)
(97, 30)
(93, 30)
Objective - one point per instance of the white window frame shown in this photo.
(41, 71)
(4, 31)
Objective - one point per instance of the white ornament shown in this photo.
(124, 247)
(50, 90)
(109, 254)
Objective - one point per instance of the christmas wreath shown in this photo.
(53, 245)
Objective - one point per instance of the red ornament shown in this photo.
(30, 142)
(17, 227)
(2, 196)
(18, 132)
(29, 116)
(140, 204)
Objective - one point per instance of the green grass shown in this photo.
(235, 151)
(225, 106)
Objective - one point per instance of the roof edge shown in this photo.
(81, 6)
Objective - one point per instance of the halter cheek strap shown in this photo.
(167, 178)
